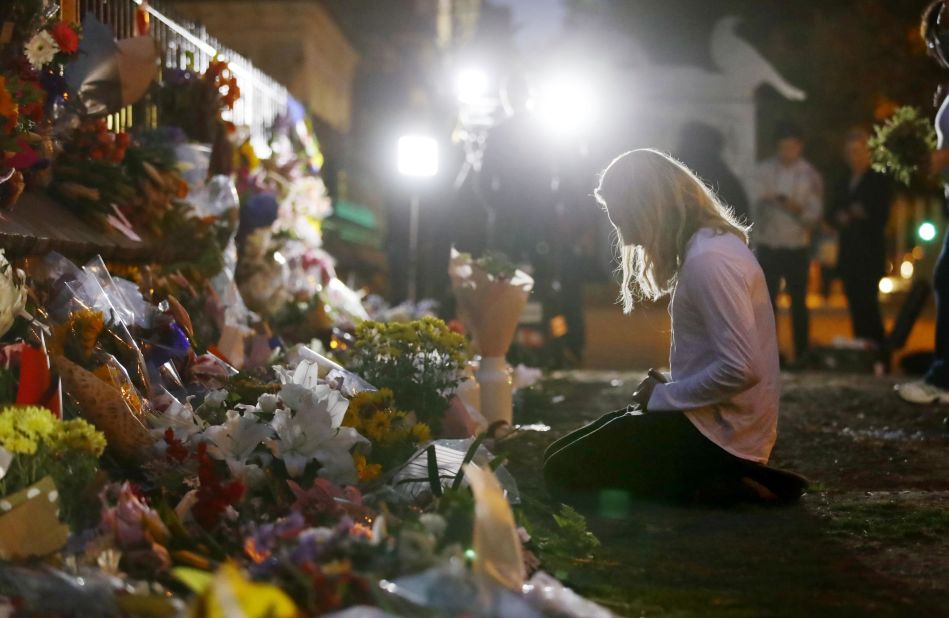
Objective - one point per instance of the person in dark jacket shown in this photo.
(700, 148)
(859, 211)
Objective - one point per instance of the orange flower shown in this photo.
(65, 37)
(8, 107)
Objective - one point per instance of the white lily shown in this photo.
(306, 373)
(308, 393)
(179, 417)
(238, 436)
(308, 433)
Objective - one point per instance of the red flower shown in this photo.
(65, 37)
(176, 449)
(214, 497)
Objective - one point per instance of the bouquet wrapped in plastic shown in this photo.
(92, 348)
(491, 295)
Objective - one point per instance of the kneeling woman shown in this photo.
(710, 427)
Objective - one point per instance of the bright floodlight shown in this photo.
(886, 285)
(566, 105)
(418, 155)
(471, 84)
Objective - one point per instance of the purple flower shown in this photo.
(259, 211)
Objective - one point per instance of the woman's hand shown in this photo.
(644, 390)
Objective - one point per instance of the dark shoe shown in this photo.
(786, 486)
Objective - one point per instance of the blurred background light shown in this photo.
(471, 84)
(417, 155)
(906, 269)
(926, 231)
(566, 105)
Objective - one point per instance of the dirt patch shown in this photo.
(872, 538)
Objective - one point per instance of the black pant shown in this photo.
(792, 265)
(862, 290)
(657, 456)
(938, 373)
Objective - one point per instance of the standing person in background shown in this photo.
(516, 180)
(787, 202)
(934, 387)
(700, 148)
(859, 211)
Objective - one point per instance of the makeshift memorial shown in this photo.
(491, 294)
(302, 484)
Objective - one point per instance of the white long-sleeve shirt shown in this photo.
(724, 353)
(774, 226)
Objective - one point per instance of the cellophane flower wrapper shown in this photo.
(412, 479)
(46, 591)
(450, 589)
(95, 354)
(489, 307)
(496, 543)
(344, 303)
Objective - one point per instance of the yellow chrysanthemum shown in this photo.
(37, 423)
(78, 435)
(23, 428)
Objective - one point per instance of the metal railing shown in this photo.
(182, 45)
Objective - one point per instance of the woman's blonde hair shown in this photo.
(655, 205)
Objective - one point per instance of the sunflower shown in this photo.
(378, 426)
(421, 433)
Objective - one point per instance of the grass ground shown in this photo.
(870, 539)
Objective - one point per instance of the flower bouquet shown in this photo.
(420, 362)
(901, 147)
(491, 295)
(194, 102)
(45, 464)
(394, 435)
(99, 362)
